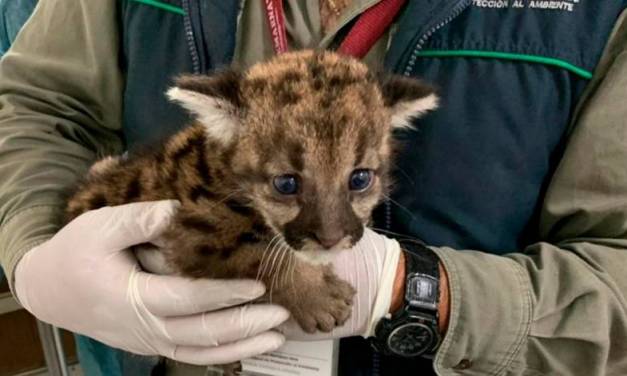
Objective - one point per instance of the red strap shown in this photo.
(369, 27)
(276, 21)
(362, 36)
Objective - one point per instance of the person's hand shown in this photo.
(371, 268)
(86, 280)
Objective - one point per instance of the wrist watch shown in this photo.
(412, 331)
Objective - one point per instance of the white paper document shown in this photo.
(296, 359)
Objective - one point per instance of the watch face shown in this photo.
(411, 339)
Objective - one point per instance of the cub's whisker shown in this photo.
(264, 255)
(272, 274)
(279, 265)
(269, 256)
(398, 234)
(396, 167)
(285, 263)
(400, 206)
(276, 253)
(221, 201)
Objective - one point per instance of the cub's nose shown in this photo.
(328, 240)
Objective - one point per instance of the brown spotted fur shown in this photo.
(316, 114)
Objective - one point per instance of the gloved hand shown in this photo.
(370, 267)
(86, 280)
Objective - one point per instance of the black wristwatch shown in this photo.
(412, 330)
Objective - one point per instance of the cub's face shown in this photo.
(311, 135)
(316, 178)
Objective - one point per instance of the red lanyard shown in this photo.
(362, 36)
(276, 21)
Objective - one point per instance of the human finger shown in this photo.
(178, 296)
(232, 352)
(225, 326)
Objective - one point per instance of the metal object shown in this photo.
(53, 349)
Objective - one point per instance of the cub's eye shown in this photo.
(286, 184)
(360, 180)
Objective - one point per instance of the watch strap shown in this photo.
(422, 279)
(420, 259)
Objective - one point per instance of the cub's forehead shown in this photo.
(308, 77)
(312, 92)
(308, 64)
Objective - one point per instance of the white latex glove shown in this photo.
(370, 267)
(86, 280)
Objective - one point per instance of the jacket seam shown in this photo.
(161, 5)
(602, 67)
(521, 334)
(10, 218)
(526, 327)
(528, 58)
(449, 337)
(15, 256)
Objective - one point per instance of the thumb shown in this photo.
(127, 225)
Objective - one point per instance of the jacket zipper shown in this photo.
(189, 35)
(457, 10)
(409, 68)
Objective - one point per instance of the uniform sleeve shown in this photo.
(559, 308)
(60, 108)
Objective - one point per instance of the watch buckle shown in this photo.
(421, 291)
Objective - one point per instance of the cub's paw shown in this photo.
(327, 306)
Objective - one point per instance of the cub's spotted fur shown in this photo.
(288, 158)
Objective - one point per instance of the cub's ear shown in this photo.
(215, 101)
(407, 98)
